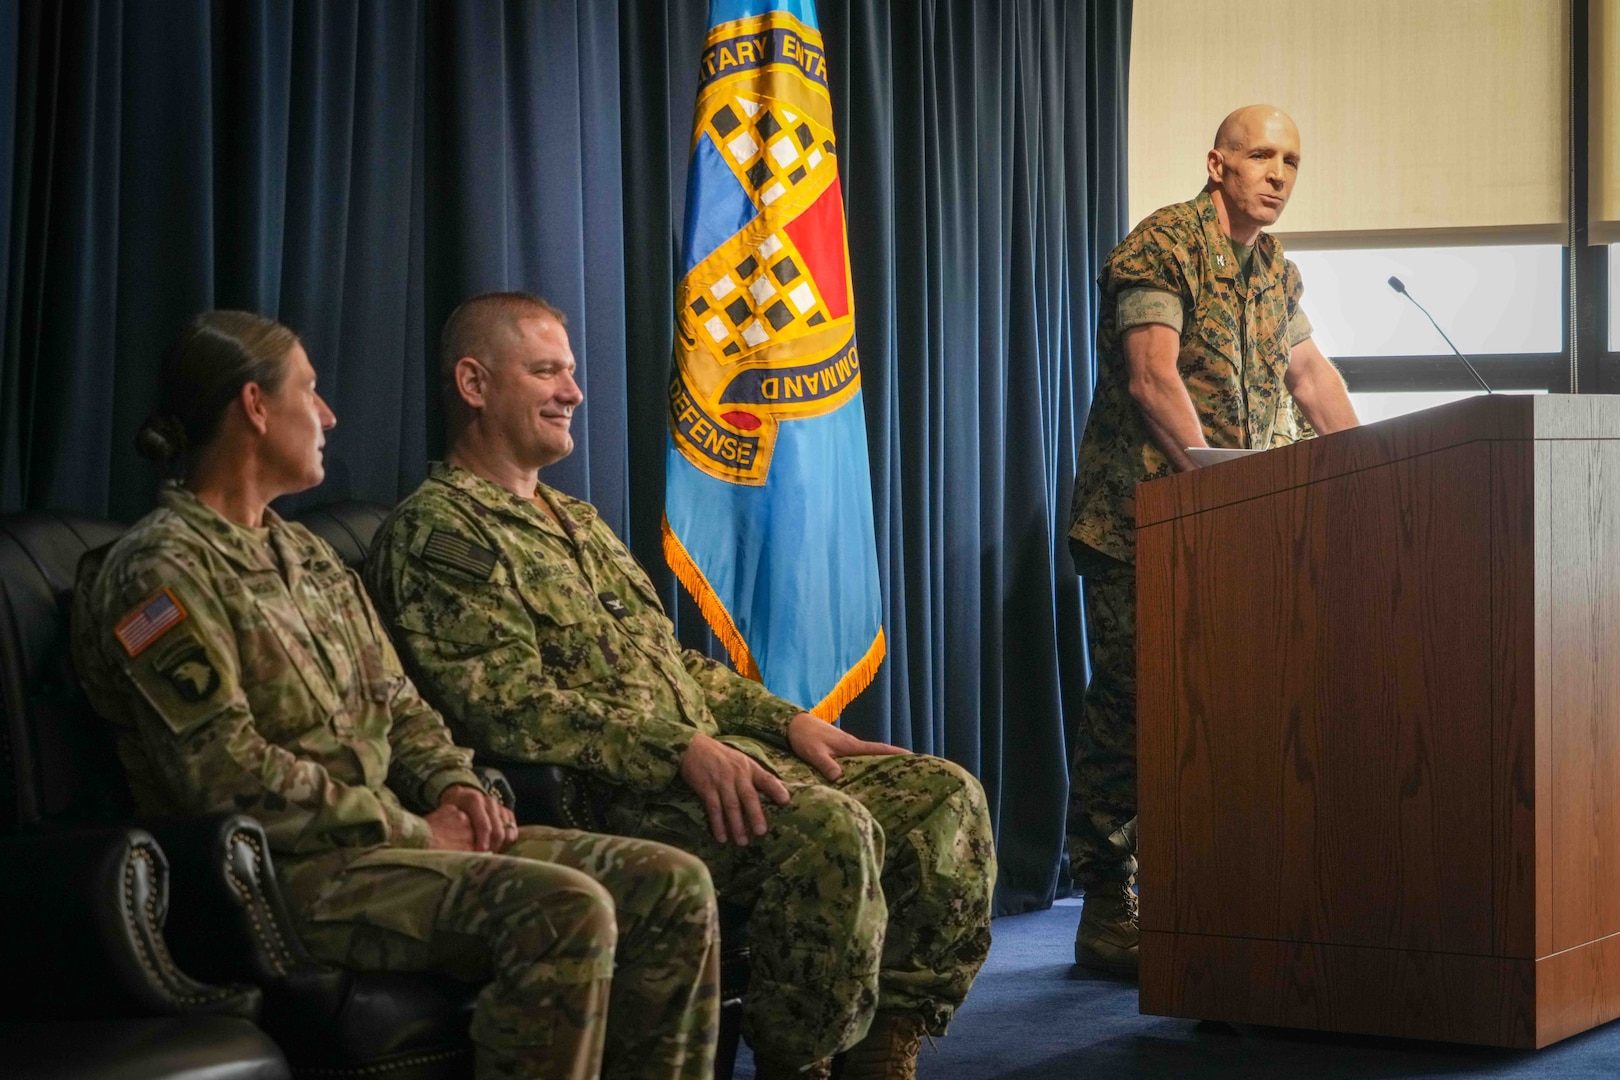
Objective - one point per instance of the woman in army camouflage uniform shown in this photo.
(245, 670)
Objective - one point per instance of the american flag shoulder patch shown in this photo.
(156, 616)
(457, 553)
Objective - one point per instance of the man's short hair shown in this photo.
(482, 328)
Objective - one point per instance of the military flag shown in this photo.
(768, 503)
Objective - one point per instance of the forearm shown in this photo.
(1167, 412)
(232, 768)
(426, 759)
(740, 705)
(1319, 390)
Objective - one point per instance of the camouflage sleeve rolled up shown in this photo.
(472, 644)
(1155, 260)
(183, 693)
(740, 705)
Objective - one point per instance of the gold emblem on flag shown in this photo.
(764, 331)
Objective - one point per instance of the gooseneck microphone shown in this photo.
(1396, 284)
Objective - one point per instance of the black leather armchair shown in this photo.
(229, 922)
(552, 794)
(95, 993)
(82, 909)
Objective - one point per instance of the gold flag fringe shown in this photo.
(855, 680)
(714, 612)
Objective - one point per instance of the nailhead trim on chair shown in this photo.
(266, 929)
(431, 1057)
(150, 948)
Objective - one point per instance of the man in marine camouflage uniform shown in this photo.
(246, 671)
(868, 871)
(1201, 342)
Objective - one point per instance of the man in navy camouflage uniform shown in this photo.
(868, 870)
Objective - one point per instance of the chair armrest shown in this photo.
(82, 913)
(229, 921)
(238, 926)
(552, 795)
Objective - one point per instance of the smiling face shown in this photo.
(296, 423)
(530, 395)
(1253, 165)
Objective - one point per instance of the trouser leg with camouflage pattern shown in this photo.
(545, 924)
(1102, 771)
(868, 893)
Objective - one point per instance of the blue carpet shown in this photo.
(1033, 1015)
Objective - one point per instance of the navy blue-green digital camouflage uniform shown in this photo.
(543, 640)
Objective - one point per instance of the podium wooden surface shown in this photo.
(1379, 728)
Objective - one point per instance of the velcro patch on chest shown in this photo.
(452, 552)
(156, 616)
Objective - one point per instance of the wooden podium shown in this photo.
(1379, 728)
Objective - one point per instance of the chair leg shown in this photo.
(725, 1055)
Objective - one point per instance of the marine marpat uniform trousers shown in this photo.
(1102, 774)
(546, 930)
(869, 893)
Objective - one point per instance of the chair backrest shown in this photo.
(348, 526)
(60, 758)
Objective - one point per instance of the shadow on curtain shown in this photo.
(355, 169)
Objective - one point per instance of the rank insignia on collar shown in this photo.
(615, 607)
(189, 670)
(1220, 260)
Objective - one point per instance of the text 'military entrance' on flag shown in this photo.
(768, 503)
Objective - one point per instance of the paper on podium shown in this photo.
(1208, 455)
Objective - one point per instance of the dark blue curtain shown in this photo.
(356, 168)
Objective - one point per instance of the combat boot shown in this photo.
(1109, 929)
(768, 1069)
(889, 1051)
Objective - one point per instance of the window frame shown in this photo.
(1585, 363)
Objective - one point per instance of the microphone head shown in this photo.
(1395, 283)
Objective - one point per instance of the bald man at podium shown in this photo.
(1201, 342)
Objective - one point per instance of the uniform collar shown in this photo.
(1264, 266)
(248, 548)
(489, 494)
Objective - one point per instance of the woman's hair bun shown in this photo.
(161, 438)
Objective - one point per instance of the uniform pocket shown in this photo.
(569, 629)
(393, 889)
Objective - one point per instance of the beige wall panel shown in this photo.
(1445, 116)
(1604, 116)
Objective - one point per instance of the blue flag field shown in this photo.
(768, 502)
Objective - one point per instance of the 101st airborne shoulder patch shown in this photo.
(456, 553)
(154, 617)
(187, 667)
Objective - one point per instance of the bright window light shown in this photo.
(1614, 297)
(1373, 407)
(1489, 299)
